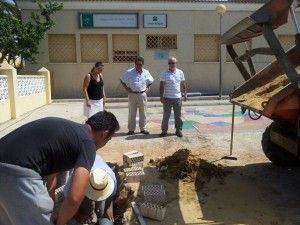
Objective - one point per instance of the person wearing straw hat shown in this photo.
(99, 192)
(32, 155)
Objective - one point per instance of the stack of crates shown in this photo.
(133, 163)
(154, 201)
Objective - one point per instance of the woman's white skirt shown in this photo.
(96, 106)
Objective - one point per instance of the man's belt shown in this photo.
(138, 92)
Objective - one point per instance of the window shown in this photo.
(62, 48)
(206, 49)
(125, 47)
(93, 48)
(240, 49)
(286, 41)
(161, 41)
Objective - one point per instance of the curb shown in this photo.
(115, 103)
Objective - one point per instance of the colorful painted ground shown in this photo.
(201, 118)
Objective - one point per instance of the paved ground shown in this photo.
(198, 116)
(256, 192)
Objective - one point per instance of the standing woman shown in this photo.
(93, 91)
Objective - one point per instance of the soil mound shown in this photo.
(190, 168)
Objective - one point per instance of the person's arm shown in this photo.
(150, 81)
(86, 83)
(128, 89)
(104, 97)
(161, 91)
(51, 185)
(183, 88)
(109, 210)
(103, 94)
(75, 195)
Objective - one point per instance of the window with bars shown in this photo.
(206, 49)
(161, 41)
(125, 47)
(93, 47)
(286, 41)
(240, 49)
(62, 48)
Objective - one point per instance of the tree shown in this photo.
(20, 41)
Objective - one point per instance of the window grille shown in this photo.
(93, 47)
(206, 49)
(240, 49)
(286, 41)
(161, 41)
(62, 48)
(125, 47)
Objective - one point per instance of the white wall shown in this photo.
(185, 20)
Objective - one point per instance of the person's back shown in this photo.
(31, 157)
(47, 146)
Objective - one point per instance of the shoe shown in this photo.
(130, 132)
(179, 133)
(163, 134)
(145, 132)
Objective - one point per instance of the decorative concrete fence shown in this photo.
(22, 93)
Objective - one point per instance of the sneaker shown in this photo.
(145, 132)
(163, 134)
(179, 133)
(130, 132)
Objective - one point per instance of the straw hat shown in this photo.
(100, 185)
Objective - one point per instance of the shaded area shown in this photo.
(123, 198)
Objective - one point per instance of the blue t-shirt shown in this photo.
(99, 163)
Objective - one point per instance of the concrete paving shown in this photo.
(209, 114)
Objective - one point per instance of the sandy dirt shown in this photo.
(258, 96)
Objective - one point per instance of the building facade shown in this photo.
(115, 32)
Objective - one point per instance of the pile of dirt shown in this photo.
(190, 168)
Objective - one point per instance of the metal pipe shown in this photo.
(221, 64)
(294, 18)
(232, 126)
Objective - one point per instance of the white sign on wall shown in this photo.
(108, 20)
(155, 20)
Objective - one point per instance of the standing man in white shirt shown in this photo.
(137, 82)
(172, 82)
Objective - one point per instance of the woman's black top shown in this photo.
(95, 89)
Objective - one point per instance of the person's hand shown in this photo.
(128, 89)
(88, 103)
(162, 100)
(110, 214)
(184, 98)
(147, 89)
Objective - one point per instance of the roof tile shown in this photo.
(191, 1)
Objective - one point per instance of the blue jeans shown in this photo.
(176, 104)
